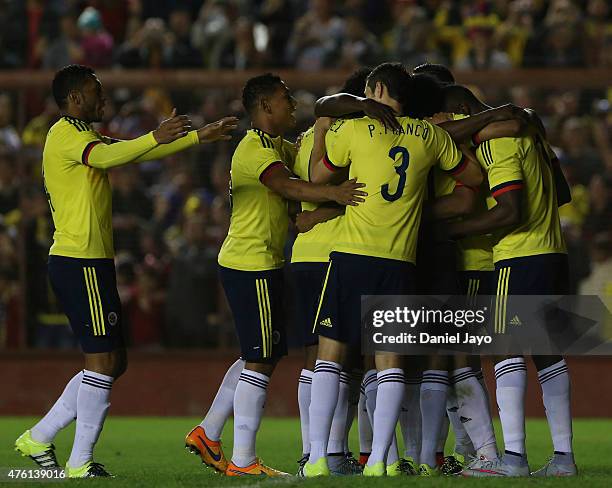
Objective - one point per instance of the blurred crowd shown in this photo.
(307, 34)
(171, 216)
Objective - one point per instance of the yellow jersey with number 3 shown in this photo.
(523, 163)
(315, 245)
(394, 167)
(259, 220)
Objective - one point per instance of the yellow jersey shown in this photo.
(315, 245)
(523, 163)
(75, 161)
(394, 166)
(259, 220)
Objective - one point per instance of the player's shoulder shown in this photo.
(68, 128)
(341, 126)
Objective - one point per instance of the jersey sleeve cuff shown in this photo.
(476, 139)
(459, 167)
(87, 152)
(506, 187)
(329, 165)
(266, 172)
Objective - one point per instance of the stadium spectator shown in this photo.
(35, 132)
(180, 53)
(483, 53)
(316, 37)
(66, 48)
(359, 47)
(9, 137)
(96, 43)
(192, 279)
(599, 281)
(578, 149)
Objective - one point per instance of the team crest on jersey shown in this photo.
(112, 318)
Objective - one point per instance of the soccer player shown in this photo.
(250, 267)
(318, 226)
(374, 251)
(530, 259)
(81, 271)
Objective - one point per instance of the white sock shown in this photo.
(323, 402)
(511, 379)
(223, 404)
(353, 402)
(393, 452)
(337, 431)
(304, 389)
(410, 419)
(473, 412)
(555, 384)
(249, 401)
(370, 389)
(365, 427)
(434, 388)
(388, 404)
(483, 383)
(63, 411)
(92, 407)
(463, 444)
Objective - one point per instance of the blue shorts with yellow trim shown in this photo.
(86, 289)
(308, 284)
(476, 283)
(256, 301)
(347, 279)
(542, 274)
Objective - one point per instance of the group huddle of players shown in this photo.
(417, 187)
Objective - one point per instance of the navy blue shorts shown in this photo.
(475, 283)
(256, 301)
(542, 274)
(308, 285)
(86, 289)
(348, 277)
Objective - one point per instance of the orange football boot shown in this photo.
(256, 469)
(209, 451)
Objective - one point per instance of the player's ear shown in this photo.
(75, 97)
(265, 105)
(379, 90)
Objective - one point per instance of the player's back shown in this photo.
(524, 163)
(79, 195)
(394, 167)
(259, 220)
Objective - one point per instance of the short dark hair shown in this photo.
(438, 71)
(424, 97)
(456, 95)
(257, 87)
(356, 83)
(394, 76)
(71, 77)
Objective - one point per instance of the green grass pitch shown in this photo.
(145, 452)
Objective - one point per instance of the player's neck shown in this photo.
(391, 102)
(266, 127)
(75, 114)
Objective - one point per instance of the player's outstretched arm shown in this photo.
(280, 180)
(343, 104)
(99, 155)
(463, 130)
(507, 213)
(306, 220)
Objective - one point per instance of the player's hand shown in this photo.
(510, 111)
(380, 111)
(172, 129)
(304, 221)
(348, 193)
(218, 131)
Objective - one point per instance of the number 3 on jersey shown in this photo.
(400, 170)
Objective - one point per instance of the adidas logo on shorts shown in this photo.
(515, 321)
(326, 322)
